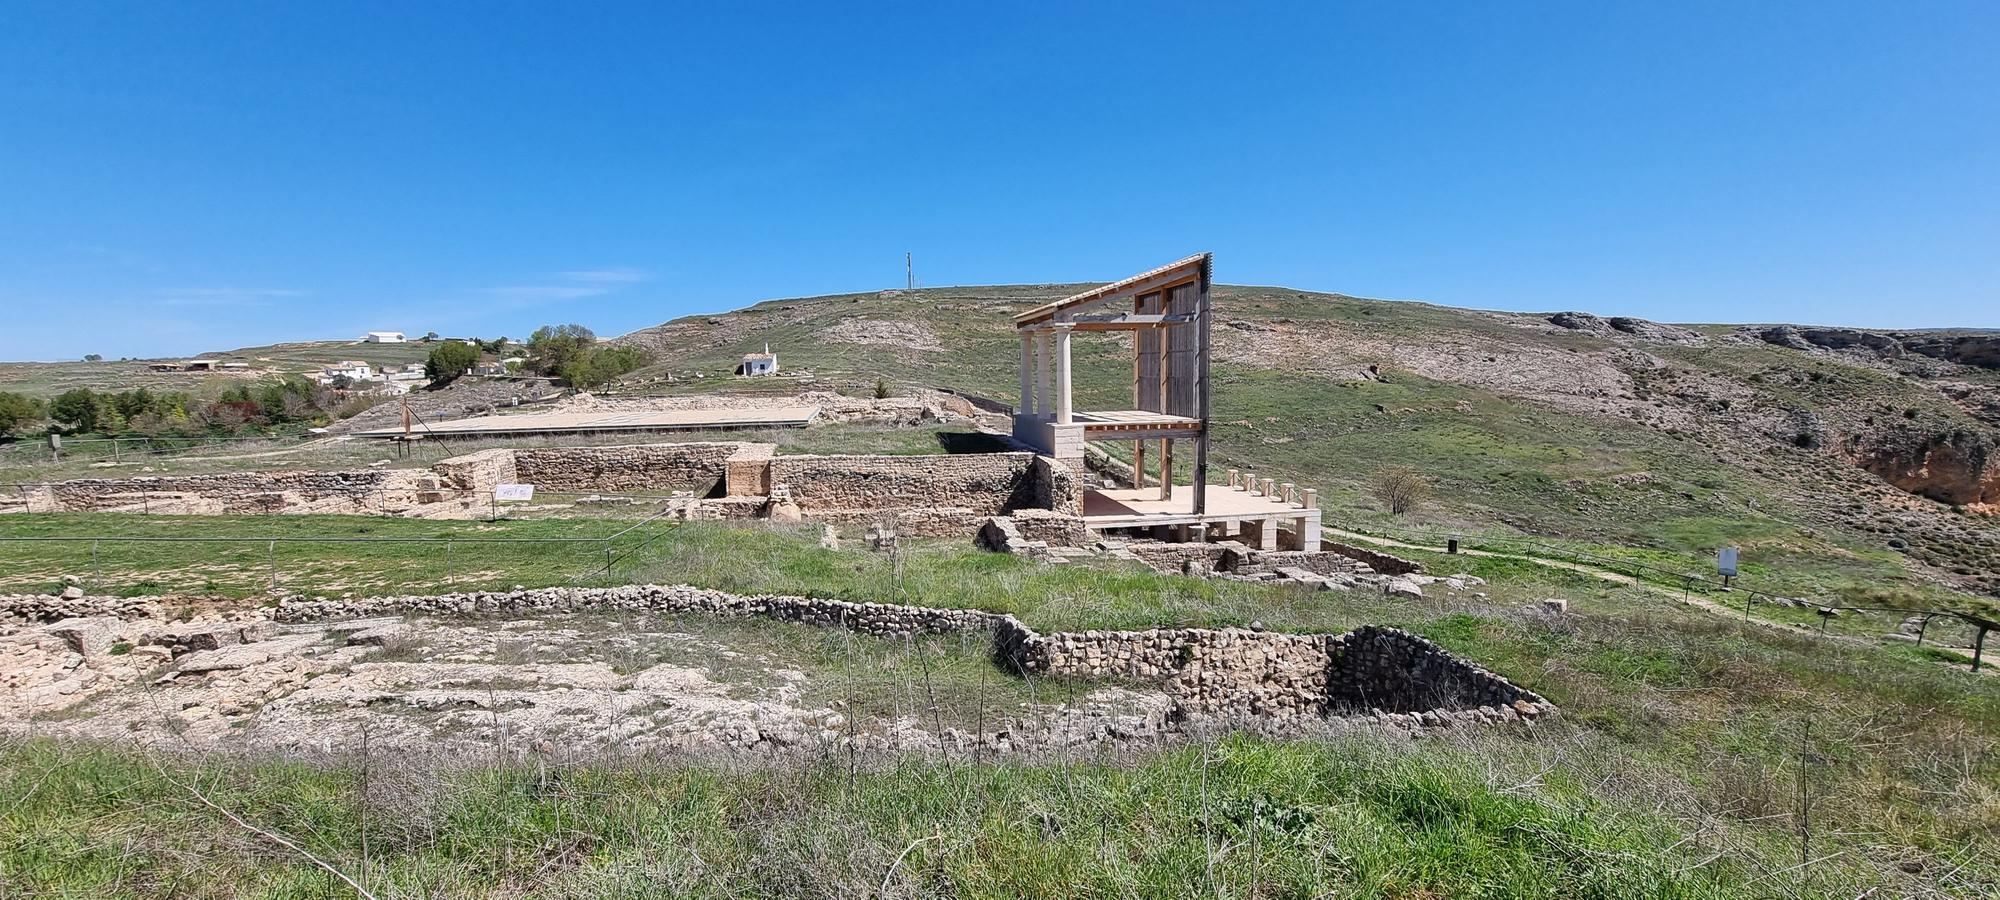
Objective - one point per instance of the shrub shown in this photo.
(17, 411)
(1401, 488)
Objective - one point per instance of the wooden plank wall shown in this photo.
(1146, 357)
(1182, 361)
(1183, 353)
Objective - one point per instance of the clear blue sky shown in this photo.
(198, 176)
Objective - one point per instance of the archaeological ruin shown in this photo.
(1041, 487)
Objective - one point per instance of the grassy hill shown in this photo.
(1843, 468)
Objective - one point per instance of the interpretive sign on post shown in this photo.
(1725, 564)
(505, 492)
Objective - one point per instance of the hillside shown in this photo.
(41, 379)
(1843, 461)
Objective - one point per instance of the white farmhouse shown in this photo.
(354, 369)
(765, 363)
(384, 337)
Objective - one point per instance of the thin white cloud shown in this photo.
(575, 284)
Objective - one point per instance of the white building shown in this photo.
(354, 369)
(384, 337)
(765, 363)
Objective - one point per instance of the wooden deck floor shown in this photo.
(1143, 506)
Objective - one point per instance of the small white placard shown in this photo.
(513, 492)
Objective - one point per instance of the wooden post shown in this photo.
(1166, 468)
(1978, 648)
(1201, 391)
(1138, 464)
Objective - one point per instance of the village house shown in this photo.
(765, 363)
(384, 337)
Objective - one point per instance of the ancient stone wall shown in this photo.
(238, 492)
(1247, 561)
(986, 483)
(479, 471)
(1372, 673)
(1057, 529)
(1377, 560)
(630, 467)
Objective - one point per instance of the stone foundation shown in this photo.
(1373, 673)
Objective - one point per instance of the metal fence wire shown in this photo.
(1688, 583)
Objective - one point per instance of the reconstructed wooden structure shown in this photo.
(1168, 314)
(1166, 310)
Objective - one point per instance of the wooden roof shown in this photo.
(1196, 266)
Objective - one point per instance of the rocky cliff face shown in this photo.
(1960, 467)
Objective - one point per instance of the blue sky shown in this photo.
(186, 177)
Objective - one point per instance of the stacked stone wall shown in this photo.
(1377, 560)
(480, 471)
(986, 483)
(1054, 528)
(1246, 561)
(236, 492)
(1372, 673)
(629, 467)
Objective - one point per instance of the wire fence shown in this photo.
(1688, 582)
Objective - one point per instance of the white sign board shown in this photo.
(513, 492)
(1725, 562)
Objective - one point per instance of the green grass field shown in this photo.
(1675, 769)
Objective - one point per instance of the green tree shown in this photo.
(76, 409)
(450, 360)
(596, 366)
(552, 348)
(17, 412)
(93, 357)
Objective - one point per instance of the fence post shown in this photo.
(1978, 648)
(271, 557)
(447, 562)
(96, 568)
(1921, 628)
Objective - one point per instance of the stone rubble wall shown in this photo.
(1381, 562)
(238, 492)
(1372, 673)
(1246, 561)
(1054, 528)
(1177, 558)
(986, 483)
(630, 467)
(480, 471)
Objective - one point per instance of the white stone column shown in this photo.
(1044, 361)
(1063, 411)
(1027, 405)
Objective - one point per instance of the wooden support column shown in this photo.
(1138, 464)
(1166, 468)
(1027, 405)
(1201, 335)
